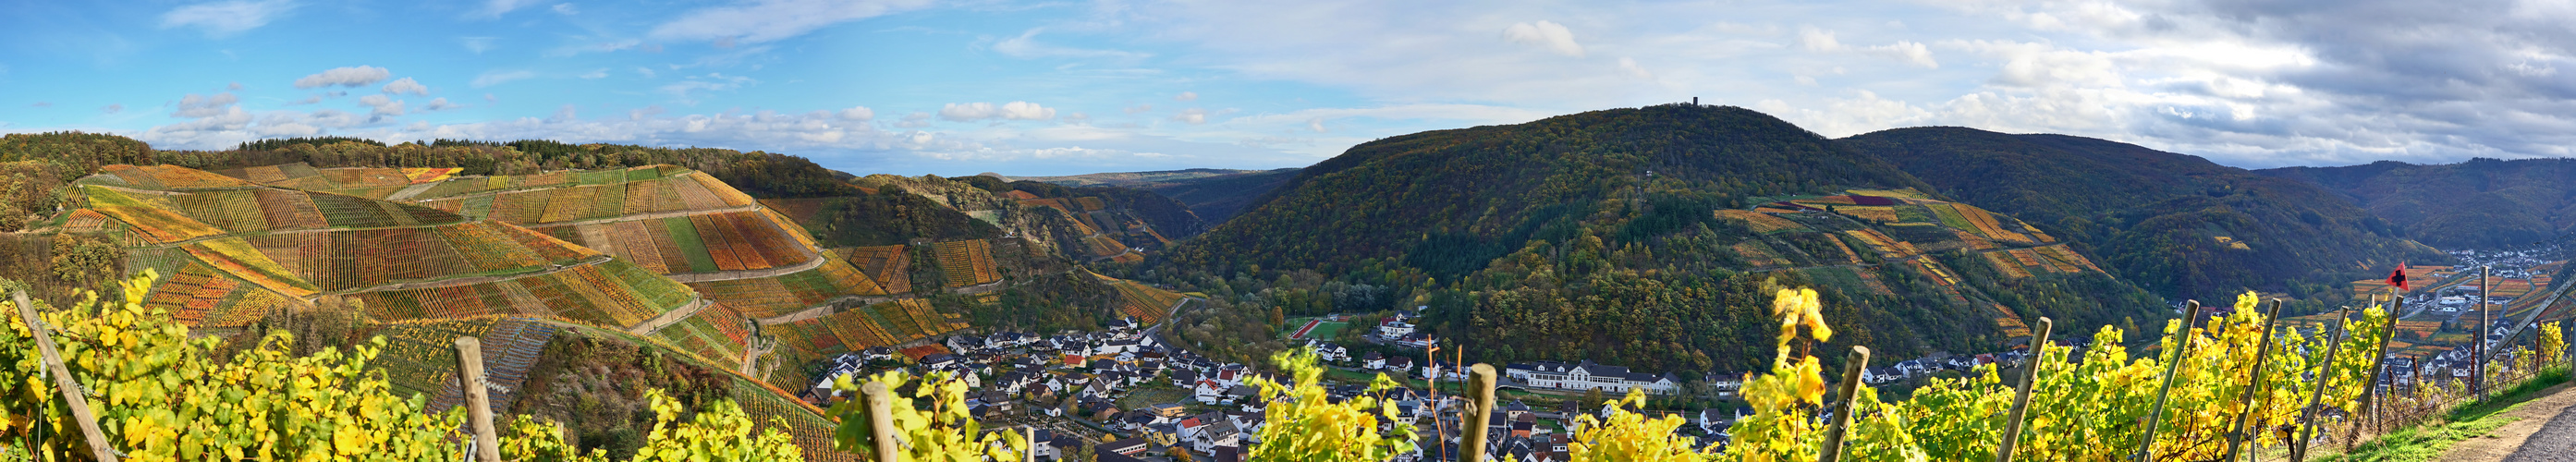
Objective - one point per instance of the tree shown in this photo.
(1178, 454)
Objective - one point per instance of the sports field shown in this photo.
(1300, 328)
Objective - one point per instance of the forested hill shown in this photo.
(1214, 194)
(1447, 201)
(2482, 203)
(2176, 224)
(1650, 237)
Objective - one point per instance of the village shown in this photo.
(1131, 396)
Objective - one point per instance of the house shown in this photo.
(965, 343)
(1394, 327)
(1415, 340)
(1713, 420)
(1879, 375)
(1172, 410)
(1373, 361)
(1587, 375)
(1208, 391)
(1220, 433)
(1331, 352)
(1400, 364)
(1128, 447)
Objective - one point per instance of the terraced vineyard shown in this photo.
(420, 356)
(583, 196)
(610, 294)
(716, 333)
(890, 265)
(1145, 303)
(966, 263)
(775, 296)
(813, 432)
(169, 178)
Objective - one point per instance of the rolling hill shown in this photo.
(2176, 224)
(2482, 203)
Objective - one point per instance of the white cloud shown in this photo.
(497, 77)
(1193, 116)
(1316, 124)
(235, 86)
(756, 21)
(439, 104)
(221, 19)
(1822, 41)
(599, 73)
(1015, 110)
(914, 120)
(699, 83)
(345, 76)
(496, 8)
(566, 9)
(1544, 34)
(196, 107)
(1139, 109)
(859, 113)
(1629, 66)
(478, 45)
(647, 71)
(1186, 96)
(406, 85)
(307, 100)
(1026, 46)
(112, 109)
(379, 105)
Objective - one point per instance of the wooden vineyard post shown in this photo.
(478, 401)
(1481, 381)
(2378, 366)
(1852, 368)
(2021, 397)
(881, 419)
(2190, 323)
(2478, 338)
(2253, 379)
(2308, 413)
(71, 389)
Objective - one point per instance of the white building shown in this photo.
(1586, 376)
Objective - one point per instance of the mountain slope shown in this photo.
(1653, 238)
(2176, 224)
(1475, 194)
(1215, 195)
(2484, 203)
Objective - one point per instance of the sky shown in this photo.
(1053, 88)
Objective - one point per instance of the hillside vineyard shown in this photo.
(1673, 282)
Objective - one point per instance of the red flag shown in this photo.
(2398, 278)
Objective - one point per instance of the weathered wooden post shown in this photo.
(1852, 368)
(71, 389)
(1481, 381)
(2021, 398)
(881, 419)
(2478, 353)
(2253, 381)
(478, 402)
(2378, 366)
(2190, 323)
(2308, 413)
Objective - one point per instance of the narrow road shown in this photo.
(2543, 429)
(2555, 441)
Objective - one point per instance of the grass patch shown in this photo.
(1152, 395)
(2469, 420)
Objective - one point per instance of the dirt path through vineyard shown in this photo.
(2546, 432)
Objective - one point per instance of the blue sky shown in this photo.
(1047, 88)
